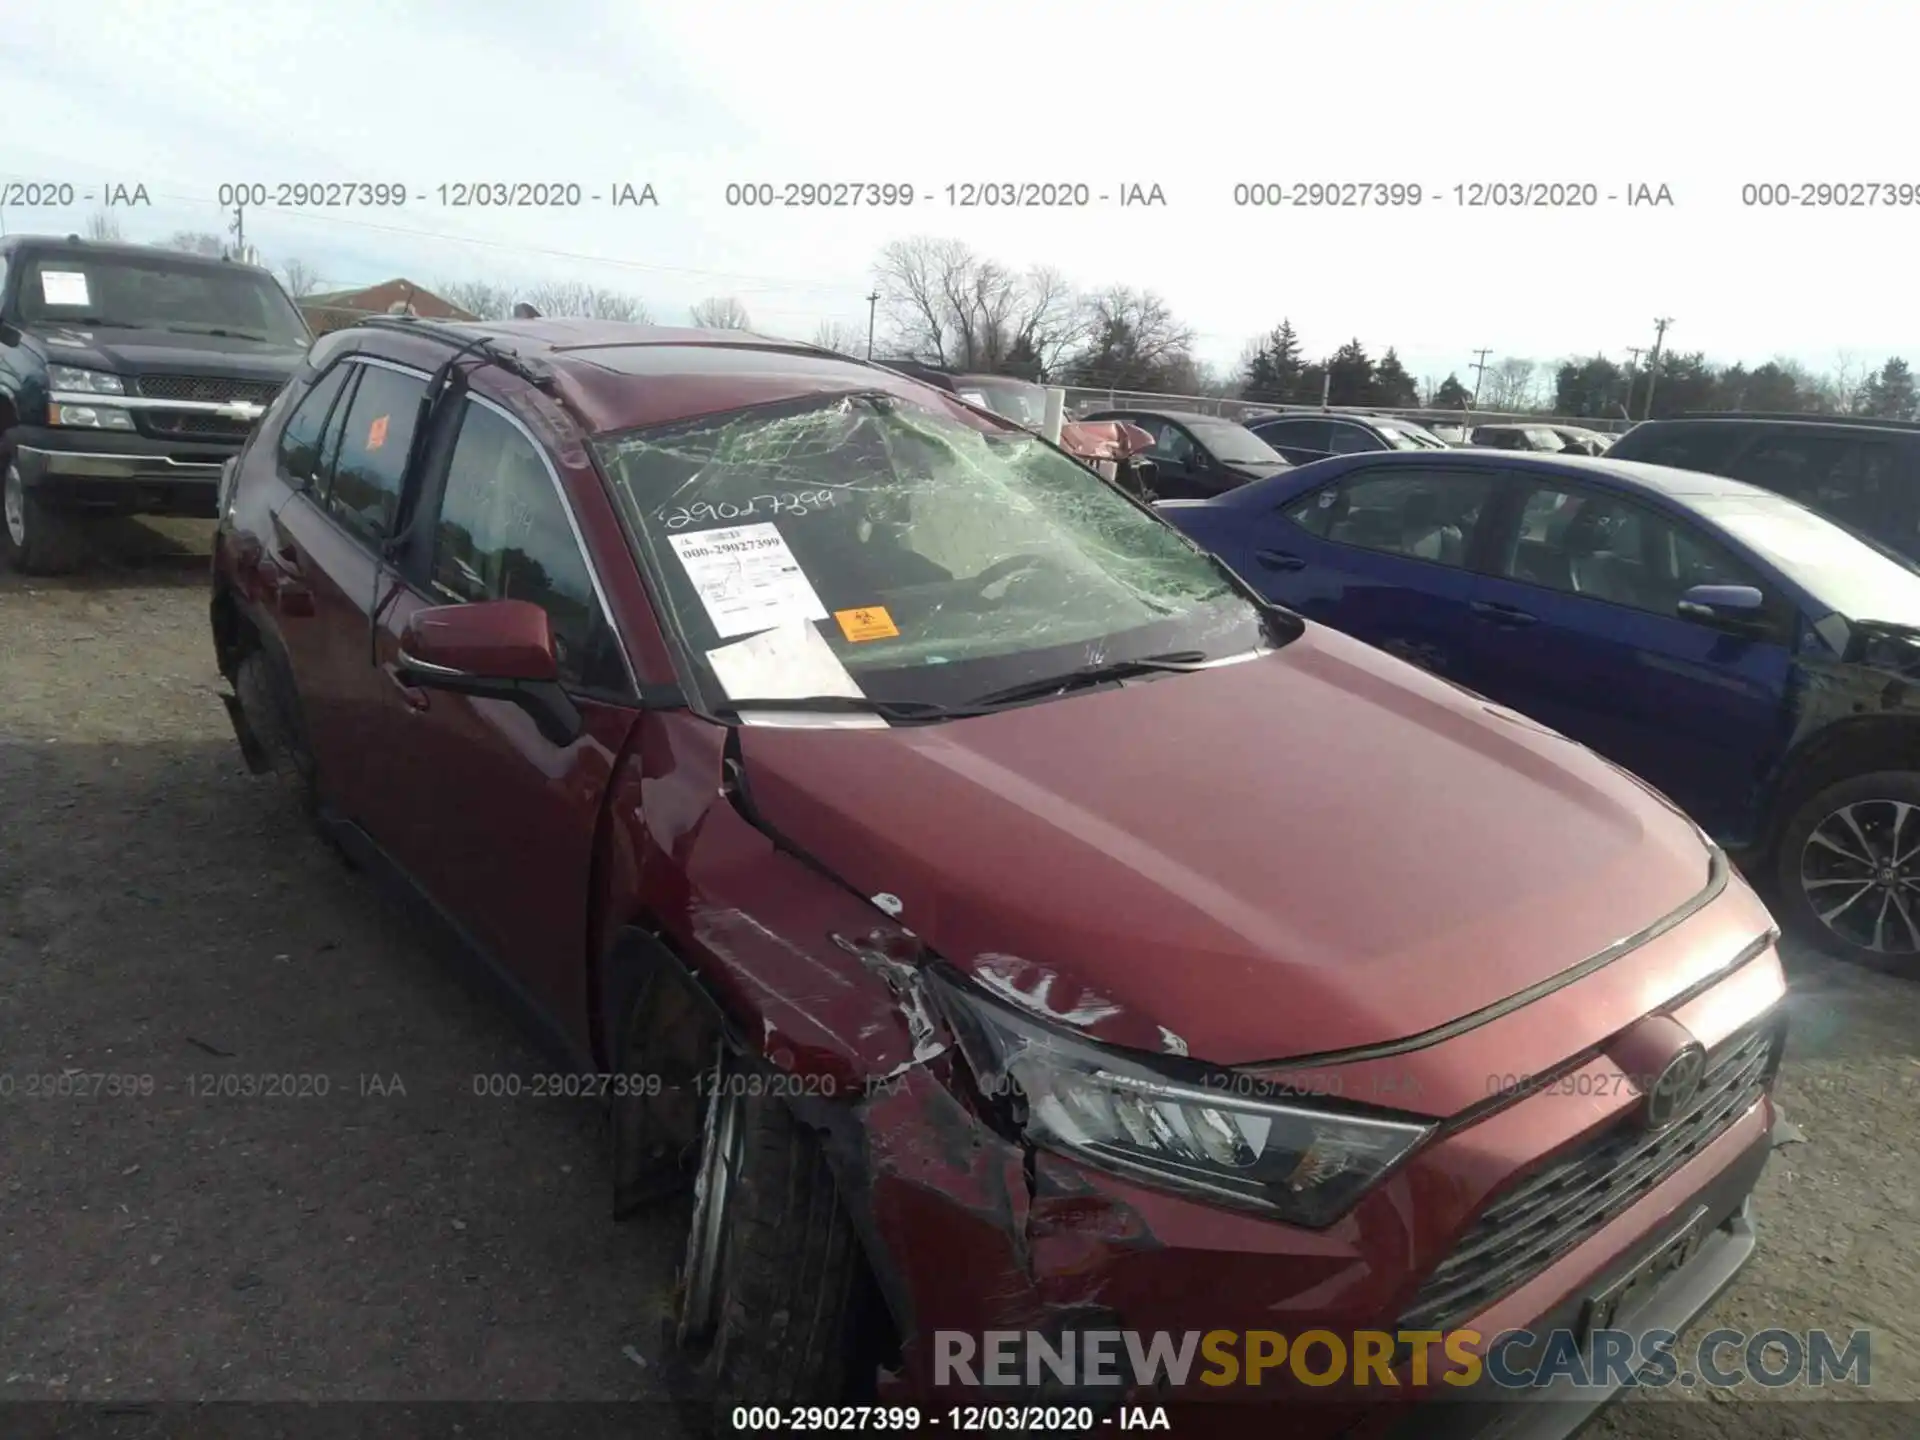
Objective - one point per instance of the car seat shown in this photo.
(1423, 534)
(1595, 570)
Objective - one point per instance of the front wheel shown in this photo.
(39, 540)
(769, 1295)
(1848, 870)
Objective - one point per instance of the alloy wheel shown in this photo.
(720, 1151)
(1860, 873)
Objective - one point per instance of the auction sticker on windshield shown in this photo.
(747, 578)
(63, 287)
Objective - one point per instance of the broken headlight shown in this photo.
(1199, 1132)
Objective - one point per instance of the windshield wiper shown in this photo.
(901, 710)
(1177, 662)
(212, 330)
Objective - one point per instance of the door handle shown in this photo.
(1504, 614)
(1279, 560)
(414, 697)
(292, 594)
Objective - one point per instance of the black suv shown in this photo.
(1863, 472)
(1303, 438)
(128, 376)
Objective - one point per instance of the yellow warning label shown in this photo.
(870, 622)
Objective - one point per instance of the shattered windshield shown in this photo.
(862, 545)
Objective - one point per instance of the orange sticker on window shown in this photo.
(871, 622)
(377, 433)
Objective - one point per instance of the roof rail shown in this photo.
(514, 363)
(1809, 417)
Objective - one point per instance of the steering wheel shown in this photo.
(1002, 572)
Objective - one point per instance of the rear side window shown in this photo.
(1801, 467)
(370, 471)
(1428, 516)
(1696, 447)
(1296, 434)
(1853, 481)
(299, 449)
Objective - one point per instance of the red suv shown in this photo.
(993, 914)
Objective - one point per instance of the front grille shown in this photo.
(194, 425)
(1559, 1207)
(219, 389)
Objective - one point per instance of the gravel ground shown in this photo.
(381, 1232)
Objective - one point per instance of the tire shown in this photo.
(269, 707)
(1864, 904)
(37, 538)
(779, 1320)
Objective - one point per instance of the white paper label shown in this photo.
(747, 578)
(789, 662)
(64, 287)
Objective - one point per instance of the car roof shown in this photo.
(1662, 480)
(80, 244)
(1830, 422)
(688, 373)
(1185, 417)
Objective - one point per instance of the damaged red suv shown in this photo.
(991, 914)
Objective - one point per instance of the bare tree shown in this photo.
(1842, 385)
(573, 298)
(481, 299)
(1511, 384)
(841, 337)
(719, 313)
(196, 242)
(300, 278)
(101, 225)
(949, 306)
(1134, 343)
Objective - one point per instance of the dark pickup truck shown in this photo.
(128, 377)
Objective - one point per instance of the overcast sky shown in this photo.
(1702, 97)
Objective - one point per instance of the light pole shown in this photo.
(872, 301)
(1653, 362)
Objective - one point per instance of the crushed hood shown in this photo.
(1319, 849)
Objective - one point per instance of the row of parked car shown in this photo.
(1727, 606)
(989, 903)
(1196, 455)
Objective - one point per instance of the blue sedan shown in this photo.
(1756, 662)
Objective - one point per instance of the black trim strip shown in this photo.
(1718, 871)
(1478, 1111)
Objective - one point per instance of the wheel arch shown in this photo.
(643, 954)
(1858, 745)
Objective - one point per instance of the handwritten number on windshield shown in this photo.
(796, 503)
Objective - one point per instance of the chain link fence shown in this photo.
(1084, 400)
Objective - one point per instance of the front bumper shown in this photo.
(972, 1234)
(1561, 1408)
(97, 469)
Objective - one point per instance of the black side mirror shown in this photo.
(1731, 607)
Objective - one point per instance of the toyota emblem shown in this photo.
(1673, 1093)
